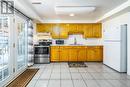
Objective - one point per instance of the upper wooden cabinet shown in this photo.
(62, 31)
(64, 28)
(88, 32)
(44, 28)
(55, 31)
(97, 30)
(93, 30)
(73, 28)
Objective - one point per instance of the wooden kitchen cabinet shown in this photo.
(73, 54)
(97, 30)
(80, 28)
(94, 53)
(55, 31)
(64, 54)
(81, 54)
(93, 30)
(62, 31)
(55, 57)
(44, 28)
(76, 53)
(72, 29)
(88, 31)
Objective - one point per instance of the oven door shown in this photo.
(44, 50)
(42, 54)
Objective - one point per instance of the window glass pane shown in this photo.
(4, 48)
(21, 26)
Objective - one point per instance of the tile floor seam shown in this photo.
(71, 76)
(116, 80)
(110, 83)
(83, 79)
(50, 76)
(94, 79)
(39, 76)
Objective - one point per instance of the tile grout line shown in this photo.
(71, 76)
(39, 76)
(82, 78)
(94, 78)
(50, 75)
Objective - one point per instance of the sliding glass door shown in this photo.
(13, 47)
(4, 48)
(20, 41)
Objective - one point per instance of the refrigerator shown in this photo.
(115, 48)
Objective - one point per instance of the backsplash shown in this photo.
(81, 40)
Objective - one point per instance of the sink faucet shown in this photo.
(75, 41)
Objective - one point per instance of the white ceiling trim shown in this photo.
(115, 11)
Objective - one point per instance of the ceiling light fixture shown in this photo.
(67, 10)
(71, 14)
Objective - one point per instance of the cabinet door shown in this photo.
(97, 30)
(73, 28)
(55, 54)
(39, 28)
(63, 31)
(73, 54)
(94, 54)
(64, 54)
(99, 53)
(55, 31)
(44, 28)
(88, 31)
(80, 28)
(81, 54)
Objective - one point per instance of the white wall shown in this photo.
(81, 40)
(115, 23)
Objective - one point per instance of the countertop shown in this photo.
(79, 45)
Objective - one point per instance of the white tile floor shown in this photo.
(95, 75)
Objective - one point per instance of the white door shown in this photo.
(6, 68)
(13, 54)
(20, 44)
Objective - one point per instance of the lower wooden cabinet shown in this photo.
(63, 54)
(81, 55)
(73, 54)
(76, 53)
(55, 54)
(94, 53)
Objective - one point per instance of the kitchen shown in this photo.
(71, 43)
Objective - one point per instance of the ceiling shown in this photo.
(46, 10)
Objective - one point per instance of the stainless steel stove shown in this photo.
(42, 52)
